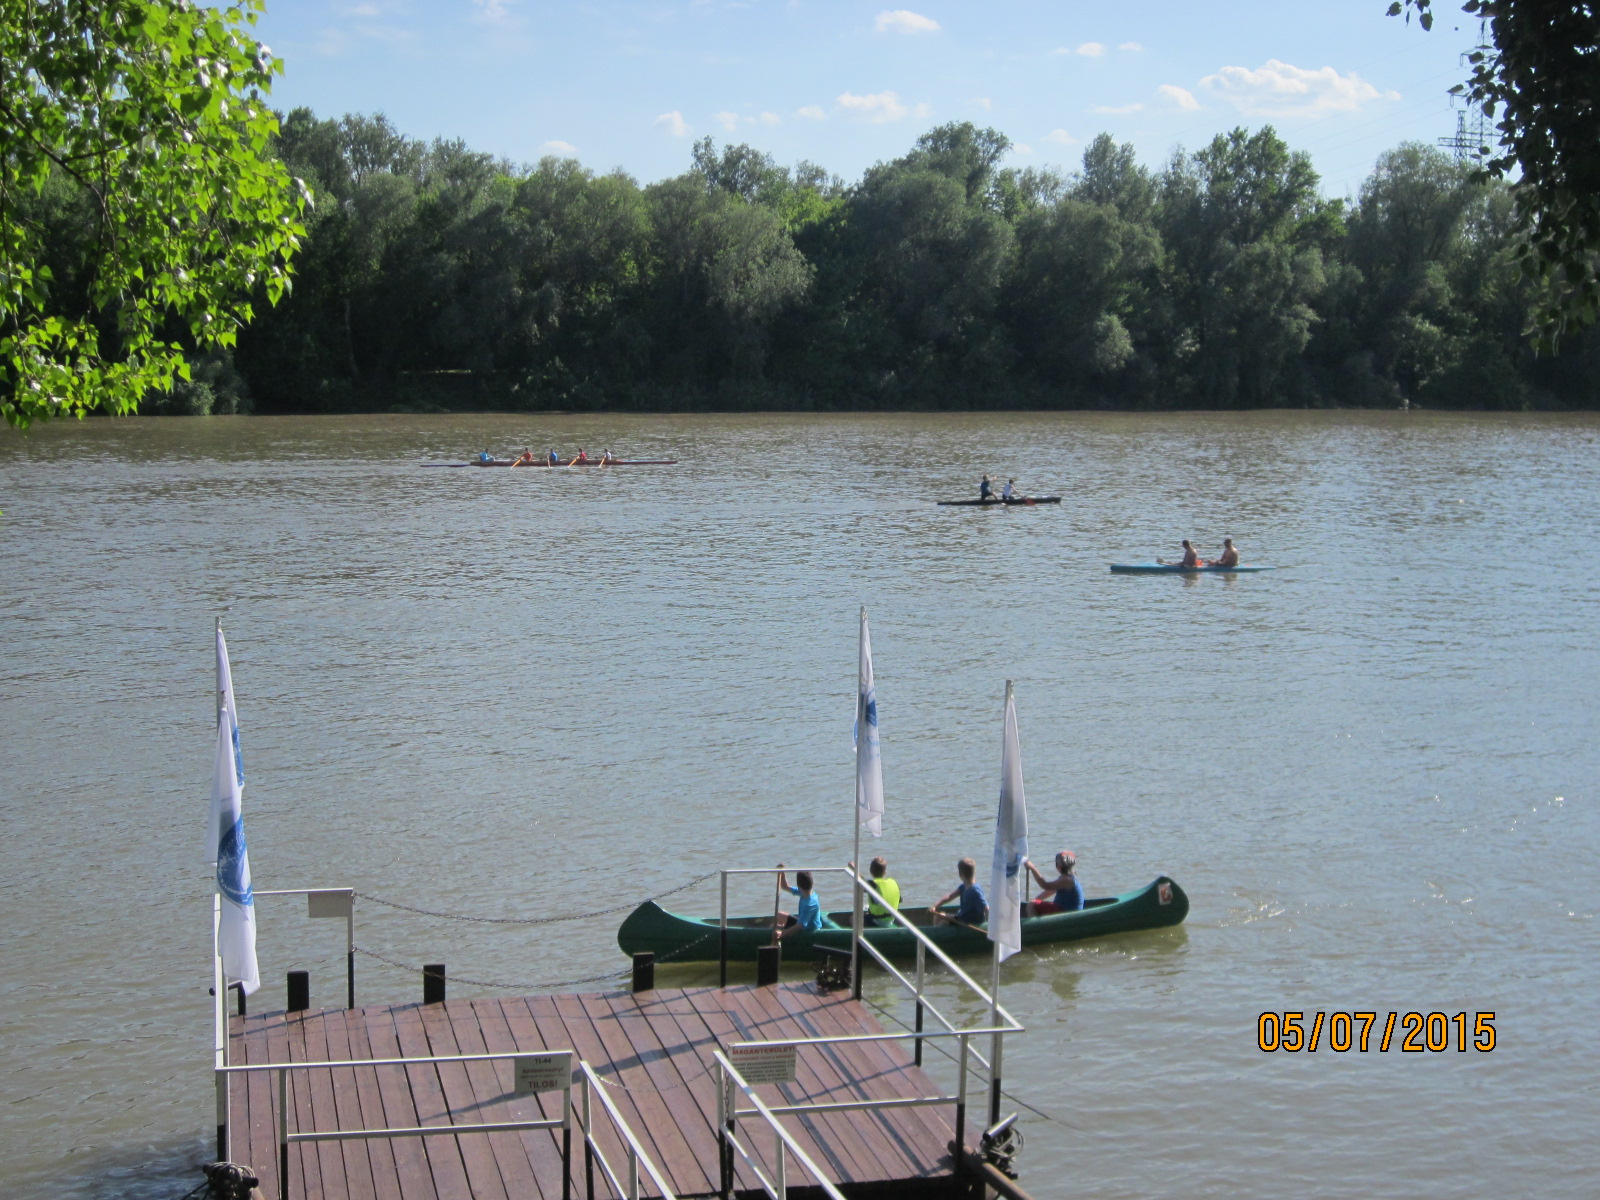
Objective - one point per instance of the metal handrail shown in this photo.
(636, 1152)
(727, 1119)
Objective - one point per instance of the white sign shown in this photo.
(763, 1064)
(544, 1072)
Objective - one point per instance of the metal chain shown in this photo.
(603, 912)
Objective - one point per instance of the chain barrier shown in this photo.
(603, 912)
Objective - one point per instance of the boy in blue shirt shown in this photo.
(809, 917)
(973, 908)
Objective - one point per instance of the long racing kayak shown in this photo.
(1154, 568)
(995, 500)
(539, 462)
(675, 938)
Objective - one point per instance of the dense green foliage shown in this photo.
(141, 207)
(1539, 79)
(432, 276)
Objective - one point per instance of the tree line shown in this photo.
(432, 275)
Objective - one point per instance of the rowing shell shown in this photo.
(1151, 568)
(539, 462)
(1026, 500)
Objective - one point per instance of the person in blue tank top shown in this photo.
(985, 489)
(1061, 894)
(553, 460)
(973, 907)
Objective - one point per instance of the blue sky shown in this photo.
(846, 84)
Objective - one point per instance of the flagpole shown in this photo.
(218, 715)
(996, 1040)
(855, 821)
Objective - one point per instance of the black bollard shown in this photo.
(433, 983)
(239, 987)
(299, 991)
(644, 971)
(768, 959)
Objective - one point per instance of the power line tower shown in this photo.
(1473, 130)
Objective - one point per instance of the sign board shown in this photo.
(550, 1072)
(330, 902)
(763, 1064)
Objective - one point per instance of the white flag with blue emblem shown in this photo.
(1007, 881)
(225, 706)
(236, 935)
(869, 767)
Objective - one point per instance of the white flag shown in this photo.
(869, 766)
(1007, 881)
(225, 706)
(236, 937)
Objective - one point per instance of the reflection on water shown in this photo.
(516, 694)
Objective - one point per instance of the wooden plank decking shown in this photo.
(656, 1045)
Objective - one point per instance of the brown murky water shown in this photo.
(511, 693)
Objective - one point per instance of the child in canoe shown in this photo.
(973, 909)
(809, 915)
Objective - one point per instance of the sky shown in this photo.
(843, 84)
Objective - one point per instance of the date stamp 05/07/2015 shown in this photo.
(1410, 1033)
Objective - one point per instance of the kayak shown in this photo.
(673, 938)
(996, 500)
(539, 462)
(1152, 568)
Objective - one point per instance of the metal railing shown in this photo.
(591, 1146)
(784, 1143)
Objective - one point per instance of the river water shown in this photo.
(527, 693)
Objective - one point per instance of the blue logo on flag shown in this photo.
(238, 760)
(872, 710)
(1013, 865)
(232, 880)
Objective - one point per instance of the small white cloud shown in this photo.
(1091, 49)
(1179, 96)
(1061, 138)
(557, 146)
(673, 123)
(1132, 47)
(1062, 50)
(728, 120)
(983, 102)
(1278, 89)
(1022, 148)
(1116, 110)
(880, 108)
(902, 20)
(768, 118)
(359, 10)
(493, 10)
(812, 112)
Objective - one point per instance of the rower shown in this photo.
(985, 490)
(553, 460)
(1229, 556)
(484, 456)
(580, 458)
(607, 458)
(1005, 492)
(525, 459)
(1191, 556)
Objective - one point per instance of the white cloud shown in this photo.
(1091, 49)
(359, 10)
(557, 146)
(1061, 138)
(901, 20)
(673, 123)
(984, 103)
(728, 120)
(812, 112)
(1278, 89)
(1116, 110)
(880, 108)
(493, 10)
(1134, 47)
(731, 120)
(1179, 96)
(769, 118)
(1022, 148)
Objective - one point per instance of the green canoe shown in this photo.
(651, 928)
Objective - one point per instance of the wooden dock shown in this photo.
(656, 1045)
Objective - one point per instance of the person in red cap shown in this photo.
(1062, 894)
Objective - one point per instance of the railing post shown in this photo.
(299, 988)
(961, 1105)
(433, 983)
(724, 1128)
(588, 1142)
(283, 1135)
(350, 954)
(722, 940)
